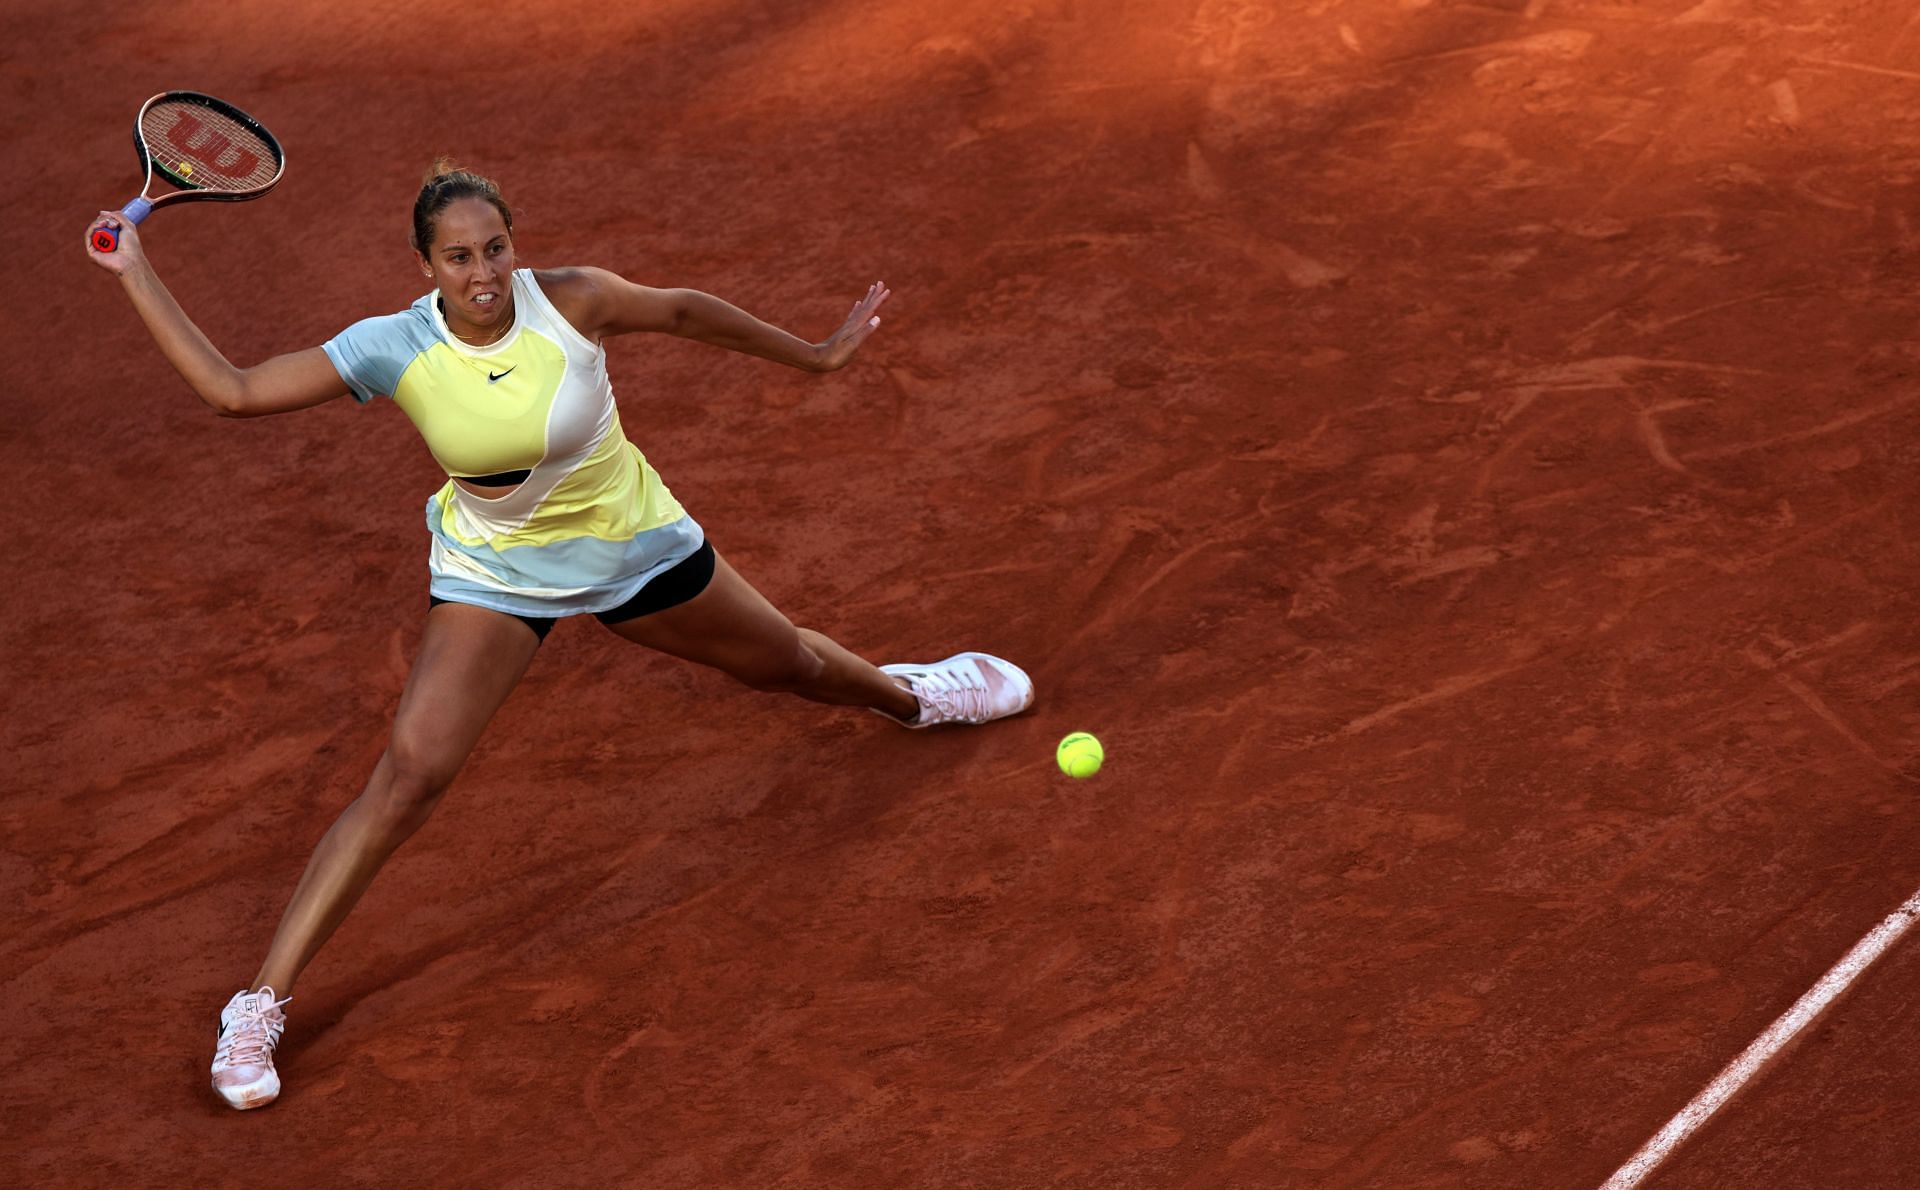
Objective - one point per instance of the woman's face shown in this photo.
(471, 262)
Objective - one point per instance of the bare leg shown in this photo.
(731, 627)
(470, 660)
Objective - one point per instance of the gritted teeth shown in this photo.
(484, 298)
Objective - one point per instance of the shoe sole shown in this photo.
(247, 1098)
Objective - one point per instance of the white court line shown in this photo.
(1765, 1046)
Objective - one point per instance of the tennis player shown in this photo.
(548, 511)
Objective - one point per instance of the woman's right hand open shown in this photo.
(127, 255)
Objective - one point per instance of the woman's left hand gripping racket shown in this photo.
(209, 149)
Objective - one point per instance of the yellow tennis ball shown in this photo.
(1079, 755)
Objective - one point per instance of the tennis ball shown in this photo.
(1079, 755)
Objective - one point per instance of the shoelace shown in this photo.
(250, 1036)
(954, 695)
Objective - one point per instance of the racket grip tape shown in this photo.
(107, 239)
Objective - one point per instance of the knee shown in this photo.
(417, 774)
(795, 668)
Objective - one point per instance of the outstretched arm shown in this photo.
(283, 383)
(611, 305)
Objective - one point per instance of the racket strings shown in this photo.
(206, 149)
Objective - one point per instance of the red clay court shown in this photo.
(1456, 455)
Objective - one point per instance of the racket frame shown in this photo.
(107, 239)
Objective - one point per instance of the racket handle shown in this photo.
(107, 239)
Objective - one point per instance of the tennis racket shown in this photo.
(208, 149)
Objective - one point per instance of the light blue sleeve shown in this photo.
(371, 354)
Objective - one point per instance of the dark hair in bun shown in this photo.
(446, 182)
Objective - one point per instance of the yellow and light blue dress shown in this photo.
(591, 523)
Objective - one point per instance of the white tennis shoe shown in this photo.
(965, 688)
(250, 1027)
